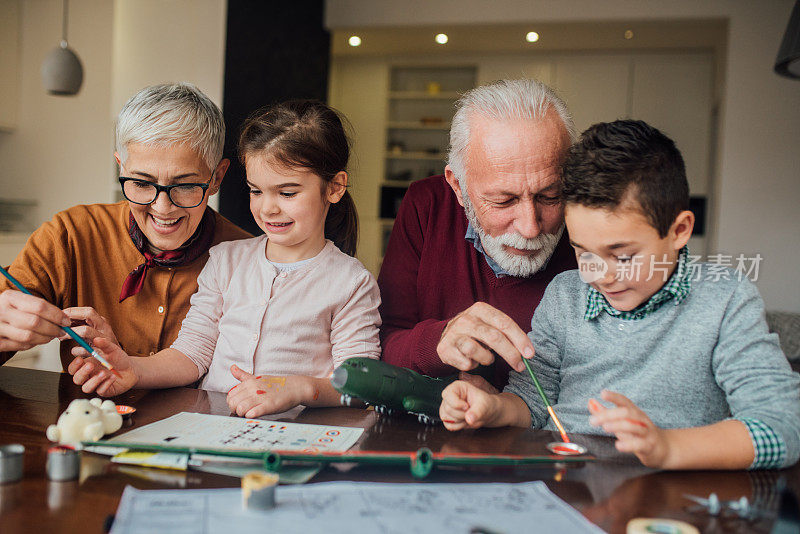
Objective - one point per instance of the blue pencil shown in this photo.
(66, 329)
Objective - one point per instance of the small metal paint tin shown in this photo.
(125, 411)
(563, 448)
(63, 463)
(12, 458)
(258, 490)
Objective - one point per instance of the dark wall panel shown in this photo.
(275, 51)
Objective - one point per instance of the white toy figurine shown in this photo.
(85, 420)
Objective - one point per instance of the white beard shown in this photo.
(514, 264)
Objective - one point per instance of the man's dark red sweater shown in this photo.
(430, 273)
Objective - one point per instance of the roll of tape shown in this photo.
(258, 490)
(647, 525)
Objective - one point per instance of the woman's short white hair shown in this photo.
(502, 101)
(172, 114)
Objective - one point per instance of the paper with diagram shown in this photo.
(235, 433)
(348, 507)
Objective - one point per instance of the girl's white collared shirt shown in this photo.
(304, 321)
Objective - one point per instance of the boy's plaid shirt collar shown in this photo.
(677, 287)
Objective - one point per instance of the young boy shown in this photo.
(682, 351)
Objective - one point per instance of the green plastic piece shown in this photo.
(417, 405)
(420, 462)
(272, 462)
(390, 388)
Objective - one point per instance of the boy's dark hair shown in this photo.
(612, 158)
(307, 134)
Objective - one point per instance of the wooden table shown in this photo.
(609, 492)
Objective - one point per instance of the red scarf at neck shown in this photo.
(196, 246)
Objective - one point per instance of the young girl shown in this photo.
(275, 314)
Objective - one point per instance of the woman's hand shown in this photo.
(27, 321)
(88, 324)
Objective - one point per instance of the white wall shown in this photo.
(9, 62)
(157, 41)
(757, 185)
(61, 151)
(759, 172)
(358, 89)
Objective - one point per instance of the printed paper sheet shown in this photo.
(348, 507)
(220, 432)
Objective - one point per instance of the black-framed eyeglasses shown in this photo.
(143, 192)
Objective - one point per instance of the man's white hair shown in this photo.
(506, 100)
(172, 114)
(503, 100)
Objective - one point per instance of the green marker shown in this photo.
(536, 382)
(546, 401)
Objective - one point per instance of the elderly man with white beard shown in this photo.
(472, 251)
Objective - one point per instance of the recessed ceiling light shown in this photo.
(354, 40)
(532, 37)
(441, 38)
(628, 34)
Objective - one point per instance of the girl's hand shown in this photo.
(255, 396)
(92, 376)
(635, 432)
(465, 405)
(88, 324)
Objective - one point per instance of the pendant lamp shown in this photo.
(62, 72)
(788, 60)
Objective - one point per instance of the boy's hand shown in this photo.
(478, 381)
(465, 405)
(635, 432)
(92, 376)
(255, 396)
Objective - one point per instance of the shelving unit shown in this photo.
(419, 111)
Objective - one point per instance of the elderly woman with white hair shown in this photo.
(126, 271)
